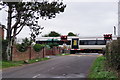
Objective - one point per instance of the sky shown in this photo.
(82, 17)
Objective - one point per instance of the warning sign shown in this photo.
(75, 42)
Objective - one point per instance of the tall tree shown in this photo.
(71, 34)
(52, 34)
(21, 14)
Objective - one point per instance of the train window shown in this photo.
(83, 42)
(60, 42)
(92, 42)
(101, 42)
(68, 43)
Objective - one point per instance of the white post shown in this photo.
(119, 18)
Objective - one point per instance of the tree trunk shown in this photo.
(13, 38)
(8, 51)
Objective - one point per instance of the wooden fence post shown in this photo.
(43, 52)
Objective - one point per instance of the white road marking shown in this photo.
(36, 76)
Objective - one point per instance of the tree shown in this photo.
(71, 34)
(52, 34)
(21, 14)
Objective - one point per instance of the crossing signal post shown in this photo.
(64, 38)
(107, 36)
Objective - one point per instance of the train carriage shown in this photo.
(83, 44)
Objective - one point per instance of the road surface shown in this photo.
(71, 66)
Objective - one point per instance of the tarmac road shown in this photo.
(70, 66)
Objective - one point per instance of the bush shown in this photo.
(113, 55)
(24, 45)
(38, 47)
(0, 47)
(26, 42)
(47, 47)
(52, 44)
(21, 47)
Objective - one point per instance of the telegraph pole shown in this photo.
(119, 26)
(119, 19)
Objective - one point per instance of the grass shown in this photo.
(7, 64)
(98, 69)
(37, 60)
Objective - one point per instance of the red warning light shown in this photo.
(107, 36)
(63, 38)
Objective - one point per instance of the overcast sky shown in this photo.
(93, 18)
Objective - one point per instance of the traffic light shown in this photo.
(108, 37)
(63, 38)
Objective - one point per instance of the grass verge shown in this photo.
(98, 69)
(7, 64)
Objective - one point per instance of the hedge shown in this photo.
(38, 47)
(0, 48)
(113, 54)
(51, 45)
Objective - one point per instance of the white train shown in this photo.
(85, 44)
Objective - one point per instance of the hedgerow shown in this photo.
(38, 47)
(113, 54)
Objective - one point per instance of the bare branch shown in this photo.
(3, 26)
(18, 31)
(14, 16)
(15, 25)
(17, 22)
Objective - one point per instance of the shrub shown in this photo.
(48, 47)
(113, 54)
(38, 47)
(21, 47)
(52, 44)
(26, 42)
(0, 48)
(24, 45)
